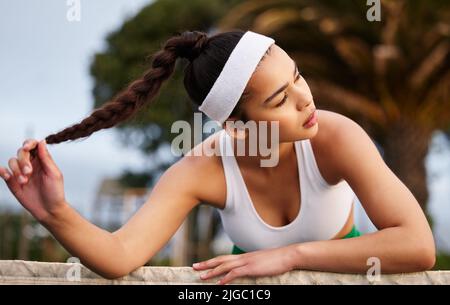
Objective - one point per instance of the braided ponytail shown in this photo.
(207, 57)
(125, 105)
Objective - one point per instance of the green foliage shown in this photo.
(442, 262)
(9, 231)
(35, 247)
(131, 179)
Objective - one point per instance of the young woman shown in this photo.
(295, 215)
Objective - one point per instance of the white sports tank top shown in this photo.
(324, 208)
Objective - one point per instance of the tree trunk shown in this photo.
(405, 148)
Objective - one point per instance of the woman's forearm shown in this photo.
(396, 249)
(97, 249)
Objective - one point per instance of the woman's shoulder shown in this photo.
(205, 155)
(205, 166)
(338, 136)
(332, 125)
(332, 128)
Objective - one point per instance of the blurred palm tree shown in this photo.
(391, 76)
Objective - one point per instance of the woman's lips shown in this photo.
(312, 120)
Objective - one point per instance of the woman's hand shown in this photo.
(37, 183)
(267, 262)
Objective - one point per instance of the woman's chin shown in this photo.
(308, 133)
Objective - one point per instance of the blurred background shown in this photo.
(61, 59)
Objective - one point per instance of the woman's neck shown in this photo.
(268, 158)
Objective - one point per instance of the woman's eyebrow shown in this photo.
(281, 88)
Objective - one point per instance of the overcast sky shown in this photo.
(45, 86)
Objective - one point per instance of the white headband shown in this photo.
(229, 86)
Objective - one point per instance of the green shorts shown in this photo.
(353, 233)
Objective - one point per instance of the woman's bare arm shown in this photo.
(173, 197)
(97, 249)
(404, 242)
(116, 254)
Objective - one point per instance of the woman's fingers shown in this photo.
(225, 267)
(31, 146)
(5, 173)
(237, 272)
(10, 180)
(23, 155)
(21, 167)
(14, 166)
(30, 143)
(46, 159)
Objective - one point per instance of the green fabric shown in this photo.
(353, 233)
(236, 250)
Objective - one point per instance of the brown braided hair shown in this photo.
(207, 57)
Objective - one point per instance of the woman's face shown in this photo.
(291, 106)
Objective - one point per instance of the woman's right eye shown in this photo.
(282, 101)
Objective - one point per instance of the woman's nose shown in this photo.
(302, 97)
(303, 104)
(304, 100)
(308, 104)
